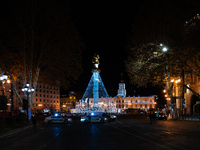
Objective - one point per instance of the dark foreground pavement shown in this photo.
(128, 132)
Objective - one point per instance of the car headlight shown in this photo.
(82, 119)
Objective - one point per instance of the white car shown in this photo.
(57, 119)
(93, 118)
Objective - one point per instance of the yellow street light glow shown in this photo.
(172, 80)
(179, 80)
(164, 91)
(165, 95)
(64, 105)
(39, 104)
(8, 81)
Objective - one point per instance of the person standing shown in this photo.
(154, 117)
(34, 120)
(150, 116)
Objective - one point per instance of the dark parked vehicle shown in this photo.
(162, 116)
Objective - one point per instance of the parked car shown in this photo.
(110, 117)
(162, 116)
(93, 118)
(57, 119)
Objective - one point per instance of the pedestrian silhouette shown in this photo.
(34, 120)
(153, 118)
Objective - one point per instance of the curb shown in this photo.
(14, 131)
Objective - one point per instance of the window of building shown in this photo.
(91, 101)
(140, 101)
(19, 83)
(135, 106)
(150, 106)
(51, 96)
(122, 101)
(51, 101)
(40, 100)
(44, 100)
(40, 86)
(140, 106)
(57, 101)
(126, 106)
(131, 102)
(40, 95)
(36, 100)
(119, 106)
(36, 90)
(47, 96)
(131, 106)
(119, 102)
(145, 106)
(54, 92)
(57, 92)
(112, 101)
(136, 101)
(57, 97)
(47, 100)
(50, 91)
(36, 105)
(40, 90)
(43, 95)
(145, 101)
(54, 97)
(33, 104)
(57, 105)
(47, 91)
(150, 100)
(19, 87)
(54, 88)
(19, 93)
(122, 106)
(48, 105)
(36, 95)
(44, 91)
(54, 101)
(44, 86)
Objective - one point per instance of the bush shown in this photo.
(10, 120)
(20, 118)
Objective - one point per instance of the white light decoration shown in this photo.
(27, 84)
(161, 44)
(164, 49)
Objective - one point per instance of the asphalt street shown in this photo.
(127, 132)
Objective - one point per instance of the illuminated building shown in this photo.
(45, 96)
(68, 103)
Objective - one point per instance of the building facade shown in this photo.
(46, 97)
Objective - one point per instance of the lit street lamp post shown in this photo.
(27, 90)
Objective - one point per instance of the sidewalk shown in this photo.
(14, 131)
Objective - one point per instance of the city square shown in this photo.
(99, 74)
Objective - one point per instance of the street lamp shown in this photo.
(164, 49)
(27, 89)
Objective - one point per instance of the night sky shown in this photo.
(104, 27)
